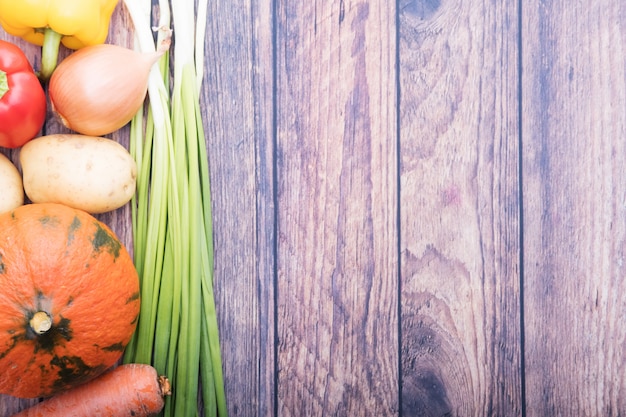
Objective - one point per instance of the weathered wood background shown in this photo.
(419, 205)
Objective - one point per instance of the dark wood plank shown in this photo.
(459, 209)
(574, 102)
(337, 182)
(237, 101)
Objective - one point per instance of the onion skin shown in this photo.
(98, 89)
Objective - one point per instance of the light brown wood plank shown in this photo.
(337, 182)
(237, 98)
(459, 209)
(574, 130)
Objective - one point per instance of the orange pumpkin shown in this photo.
(69, 299)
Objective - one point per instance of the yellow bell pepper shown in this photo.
(75, 23)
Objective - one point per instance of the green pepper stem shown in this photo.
(49, 53)
(4, 83)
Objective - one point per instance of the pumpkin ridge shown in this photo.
(42, 303)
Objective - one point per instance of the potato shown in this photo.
(94, 174)
(12, 194)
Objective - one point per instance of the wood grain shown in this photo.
(459, 209)
(237, 96)
(383, 244)
(574, 105)
(337, 184)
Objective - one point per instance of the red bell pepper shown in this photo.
(22, 98)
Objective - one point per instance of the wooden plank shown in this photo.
(574, 101)
(237, 98)
(459, 215)
(337, 193)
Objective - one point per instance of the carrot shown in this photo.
(128, 390)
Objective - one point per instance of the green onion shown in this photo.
(177, 330)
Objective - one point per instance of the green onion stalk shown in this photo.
(177, 330)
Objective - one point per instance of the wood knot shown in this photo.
(420, 9)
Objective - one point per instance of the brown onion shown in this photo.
(98, 89)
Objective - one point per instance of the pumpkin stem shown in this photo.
(41, 322)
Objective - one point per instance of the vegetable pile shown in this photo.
(81, 318)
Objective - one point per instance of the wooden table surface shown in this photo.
(419, 206)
